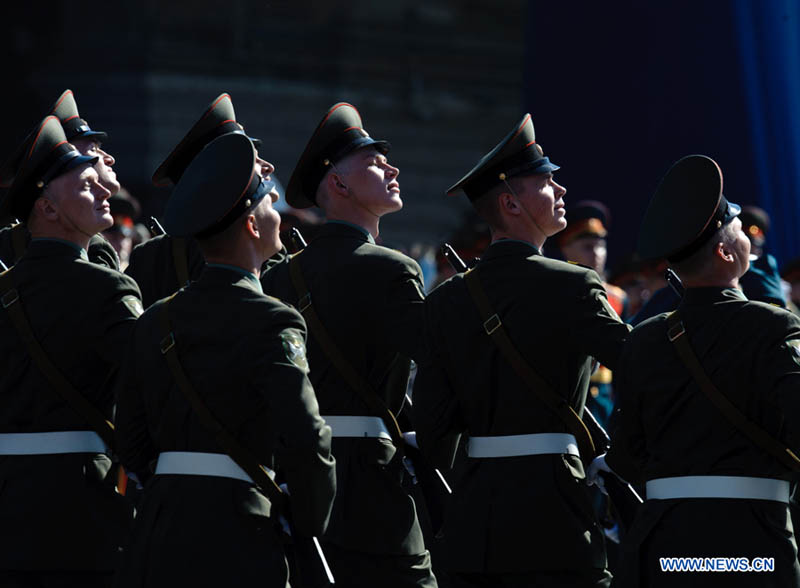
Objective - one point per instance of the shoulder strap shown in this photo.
(237, 452)
(16, 313)
(355, 380)
(762, 439)
(180, 261)
(19, 240)
(495, 329)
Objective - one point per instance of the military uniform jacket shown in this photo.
(57, 511)
(668, 427)
(244, 354)
(13, 246)
(370, 300)
(528, 513)
(152, 265)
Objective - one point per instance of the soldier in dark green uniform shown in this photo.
(202, 521)
(164, 264)
(713, 490)
(520, 514)
(14, 239)
(369, 301)
(63, 325)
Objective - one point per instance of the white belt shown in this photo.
(52, 442)
(718, 487)
(193, 463)
(515, 445)
(357, 426)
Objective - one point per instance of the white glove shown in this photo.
(593, 476)
(411, 438)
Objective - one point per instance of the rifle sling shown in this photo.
(180, 261)
(237, 452)
(760, 438)
(495, 329)
(77, 401)
(337, 358)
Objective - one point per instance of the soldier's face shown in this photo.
(741, 247)
(80, 201)
(108, 177)
(542, 198)
(371, 181)
(268, 219)
(590, 251)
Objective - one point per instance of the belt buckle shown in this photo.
(675, 331)
(492, 324)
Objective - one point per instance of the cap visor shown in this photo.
(85, 135)
(76, 161)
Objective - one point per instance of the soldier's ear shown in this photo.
(336, 185)
(46, 207)
(724, 253)
(251, 226)
(508, 204)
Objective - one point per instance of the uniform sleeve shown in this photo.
(435, 413)
(596, 328)
(402, 316)
(121, 307)
(134, 445)
(435, 416)
(779, 366)
(627, 454)
(302, 440)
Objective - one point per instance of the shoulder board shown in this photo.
(580, 265)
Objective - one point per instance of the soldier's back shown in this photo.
(58, 511)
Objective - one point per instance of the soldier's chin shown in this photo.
(106, 222)
(275, 246)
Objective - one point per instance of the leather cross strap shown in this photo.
(493, 326)
(77, 401)
(312, 567)
(677, 335)
(180, 261)
(355, 380)
(237, 452)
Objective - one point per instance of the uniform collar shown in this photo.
(233, 275)
(712, 295)
(50, 246)
(515, 247)
(340, 228)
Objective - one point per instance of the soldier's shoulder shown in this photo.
(274, 311)
(94, 275)
(100, 251)
(388, 258)
(657, 322)
(446, 288)
(567, 271)
(759, 314)
(151, 246)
